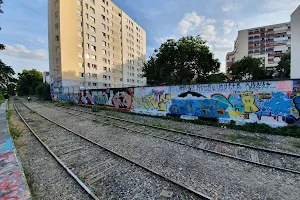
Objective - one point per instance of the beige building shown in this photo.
(94, 44)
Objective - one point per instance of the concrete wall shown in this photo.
(276, 103)
(295, 44)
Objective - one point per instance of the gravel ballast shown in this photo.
(46, 178)
(216, 176)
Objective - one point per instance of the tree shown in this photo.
(217, 78)
(7, 81)
(249, 68)
(185, 61)
(43, 91)
(284, 66)
(28, 82)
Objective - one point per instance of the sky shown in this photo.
(24, 24)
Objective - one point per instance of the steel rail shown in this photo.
(188, 188)
(191, 134)
(85, 188)
(181, 143)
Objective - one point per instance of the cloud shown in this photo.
(192, 23)
(281, 4)
(230, 7)
(41, 40)
(164, 39)
(20, 51)
(227, 26)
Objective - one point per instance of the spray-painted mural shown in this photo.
(149, 100)
(115, 98)
(276, 103)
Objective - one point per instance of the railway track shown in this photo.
(278, 160)
(102, 173)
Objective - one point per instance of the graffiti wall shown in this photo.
(119, 98)
(152, 100)
(276, 103)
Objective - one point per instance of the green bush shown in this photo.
(1, 98)
(43, 91)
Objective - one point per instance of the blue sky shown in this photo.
(24, 24)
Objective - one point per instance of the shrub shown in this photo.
(43, 91)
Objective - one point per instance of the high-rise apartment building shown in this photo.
(268, 43)
(295, 51)
(94, 44)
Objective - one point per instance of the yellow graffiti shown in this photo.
(160, 104)
(249, 105)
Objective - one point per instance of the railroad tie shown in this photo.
(254, 156)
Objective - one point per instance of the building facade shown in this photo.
(268, 43)
(295, 52)
(94, 44)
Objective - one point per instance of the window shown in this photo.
(104, 27)
(80, 65)
(57, 38)
(56, 15)
(104, 77)
(57, 61)
(56, 26)
(89, 84)
(105, 69)
(108, 77)
(94, 84)
(89, 65)
(104, 60)
(56, 3)
(87, 6)
(80, 44)
(79, 2)
(88, 46)
(103, 17)
(94, 57)
(81, 74)
(87, 26)
(93, 10)
(87, 15)
(103, 9)
(104, 43)
(93, 1)
(93, 29)
(93, 48)
(93, 38)
(79, 13)
(79, 23)
(57, 50)
(93, 19)
(95, 76)
(104, 51)
(87, 36)
(94, 66)
(105, 85)
(79, 33)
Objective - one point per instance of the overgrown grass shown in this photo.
(15, 132)
(256, 140)
(296, 143)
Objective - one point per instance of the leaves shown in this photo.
(28, 82)
(6, 76)
(284, 66)
(185, 61)
(249, 68)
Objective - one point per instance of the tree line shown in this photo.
(189, 61)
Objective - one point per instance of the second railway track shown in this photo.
(108, 174)
(282, 161)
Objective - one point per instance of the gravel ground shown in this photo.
(288, 144)
(46, 178)
(109, 176)
(213, 175)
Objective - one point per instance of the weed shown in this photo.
(179, 129)
(97, 193)
(269, 198)
(257, 141)
(44, 140)
(33, 111)
(14, 132)
(296, 143)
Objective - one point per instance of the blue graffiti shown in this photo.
(74, 98)
(206, 108)
(63, 97)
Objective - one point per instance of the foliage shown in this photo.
(7, 81)
(249, 68)
(28, 82)
(284, 66)
(43, 91)
(185, 61)
(1, 97)
(217, 78)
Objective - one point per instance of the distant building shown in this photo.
(46, 77)
(268, 43)
(295, 60)
(94, 44)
